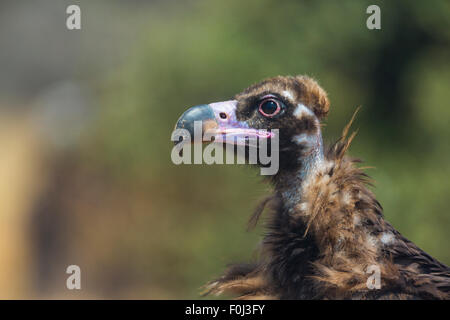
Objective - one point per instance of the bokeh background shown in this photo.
(86, 117)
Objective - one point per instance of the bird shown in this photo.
(325, 236)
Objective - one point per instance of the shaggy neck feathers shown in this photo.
(309, 156)
(329, 223)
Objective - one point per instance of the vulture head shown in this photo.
(293, 105)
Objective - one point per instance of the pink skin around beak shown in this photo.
(229, 129)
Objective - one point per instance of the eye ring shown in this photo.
(269, 107)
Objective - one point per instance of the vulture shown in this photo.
(326, 237)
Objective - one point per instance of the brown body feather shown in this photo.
(344, 227)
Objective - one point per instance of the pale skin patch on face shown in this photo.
(304, 139)
(302, 111)
(288, 95)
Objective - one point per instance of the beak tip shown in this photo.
(202, 113)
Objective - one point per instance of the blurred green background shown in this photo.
(86, 117)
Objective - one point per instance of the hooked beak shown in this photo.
(218, 120)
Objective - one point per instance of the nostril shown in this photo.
(223, 115)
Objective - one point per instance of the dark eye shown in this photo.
(269, 107)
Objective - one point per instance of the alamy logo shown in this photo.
(73, 21)
(374, 280)
(374, 20)
(74, 280)
(246, 147)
